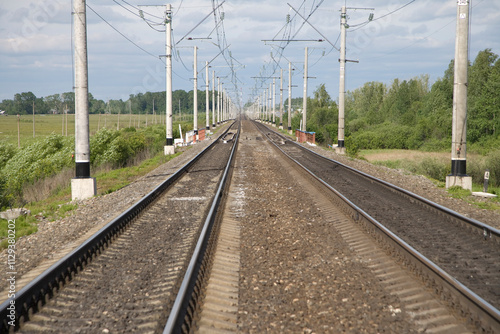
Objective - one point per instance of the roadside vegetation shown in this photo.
(413, 115)
(38, 176)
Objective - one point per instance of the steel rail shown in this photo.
(487, 232)
(36, 293)
(480, 311)
(176, 319)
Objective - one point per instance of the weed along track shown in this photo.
(127, 281)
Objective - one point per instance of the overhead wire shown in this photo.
(274, 63)
(381, 17)
(123, 35)
(138, 9)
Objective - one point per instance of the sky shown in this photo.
(125, 51)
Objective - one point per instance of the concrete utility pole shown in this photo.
(269, 102)
(257, 108)
(222, 104)
(82, 186)
(169, 147)
(281, 100)
(33, 119)
(218, 100)
(304, 101)
(213, 99)
(195, 95)
(263, 103)
(458, 176)
(227, 104)
(207, 109)
(266, 104)
(289, 97)
(274, 102)
(340, 144)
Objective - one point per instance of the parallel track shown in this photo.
(455, 255)
(141, 249)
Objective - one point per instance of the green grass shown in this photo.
(433, 166)
(53, 208)
(48, 124)
(59, 205)
(110, 181)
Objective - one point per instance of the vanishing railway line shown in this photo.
(128, 277)
(419, 231)
(146, 276)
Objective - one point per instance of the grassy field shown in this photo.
(59, 124)
(392, 155)
(434, 165)
(405, 158)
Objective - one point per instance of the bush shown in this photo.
(99, 143)
(52, 154)
(5, 198)
(384, 136)
(38, 160)
(434, 169)
(493, 164)
(352, 148)
(118, 152)
(7, 151)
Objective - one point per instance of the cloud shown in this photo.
(416, 39)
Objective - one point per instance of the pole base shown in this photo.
(169, 149)
(463, 181)
(83, 188)
(340, 150)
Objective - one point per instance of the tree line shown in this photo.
(141, 103)
(412, 114)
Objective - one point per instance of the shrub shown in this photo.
(352, 148)
(40, 159)
(433, 168)
(493, 164)
(475, 169)
(7, 151)
(99, 143)
(117, 152)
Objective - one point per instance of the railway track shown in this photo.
(144, 267)
(455, 256)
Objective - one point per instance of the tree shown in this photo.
(23, 103)
(483, 101)
(54, 103)
(322, 115)
(68, 99)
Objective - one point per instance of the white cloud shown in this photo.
(35, 43)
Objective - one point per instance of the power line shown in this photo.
(140, 10)
(196, 26)
(128, 39)
(378, 18)
(424, 38)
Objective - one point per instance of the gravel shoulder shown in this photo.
(417, 184)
